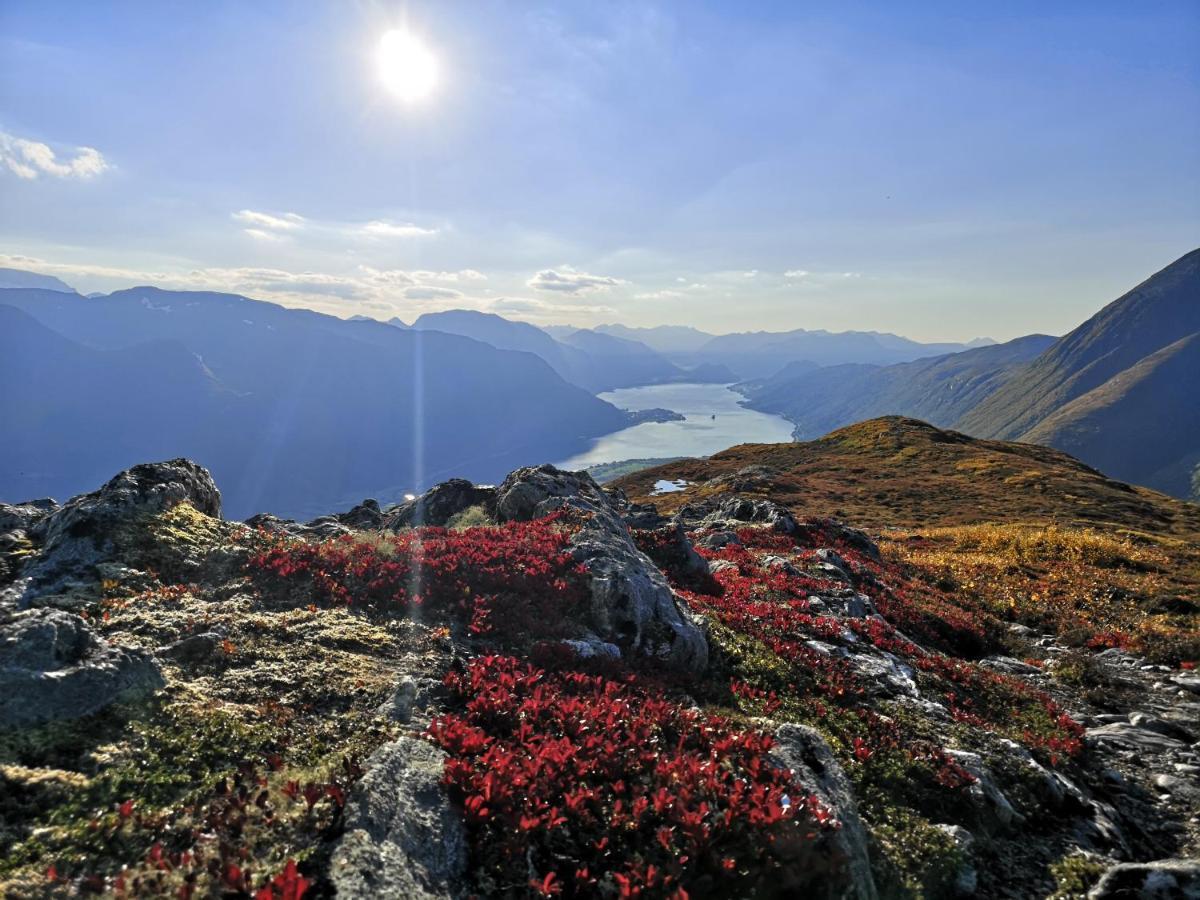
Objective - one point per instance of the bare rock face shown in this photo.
(74, 538)
(54, 666)
(404, 840)
(805, 752)
(632, 604)
(439, 504)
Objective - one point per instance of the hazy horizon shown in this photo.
(934, 173)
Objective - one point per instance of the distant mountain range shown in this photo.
(760, 354)
(591, 359)
(938, 390)
(287, 403)
(298, 412)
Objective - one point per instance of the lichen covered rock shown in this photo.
(53, 666)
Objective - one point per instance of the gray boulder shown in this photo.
(632, 604)
(439, 504)
(54, 666)
(404, 840)
(816, 769)
(1166, 879)
(993, 811)
(751, 511)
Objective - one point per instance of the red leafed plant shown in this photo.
(578, 784)
(508, 581)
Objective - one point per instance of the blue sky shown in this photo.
(941, 170)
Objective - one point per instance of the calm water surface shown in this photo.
(698, 435)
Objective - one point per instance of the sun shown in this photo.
(406, 66)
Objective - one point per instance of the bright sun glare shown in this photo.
(407, 67)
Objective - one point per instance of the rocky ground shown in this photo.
(543, 689)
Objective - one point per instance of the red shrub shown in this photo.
(592, 785)
(508, 581)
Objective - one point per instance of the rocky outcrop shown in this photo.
(91, 529)
(632, 604)
(367, 516)
(816, 769)
(439, 504)
(53, 666)
(727, 511)
(403, 840)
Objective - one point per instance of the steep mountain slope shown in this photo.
(326, 410)
(19, 278)
(109, 406)
(898, 472)
(937, 390)
(1142, 425)
(763, 353)
(1156, 313)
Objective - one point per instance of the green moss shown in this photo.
(471, 517)
(1075, 875)
(918, 859)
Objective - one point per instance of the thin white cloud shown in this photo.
(796, 273)
(460, 275)
(566, 280)
(657, 295)
(261, 235)
(381, 229)
(31, 159)
(262, 220)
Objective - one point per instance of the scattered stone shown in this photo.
(53, 666)
(403, 839)
(1006, 665)
(196, 648)
(400, 707)
(715, 540)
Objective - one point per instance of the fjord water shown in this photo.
(699, 434)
